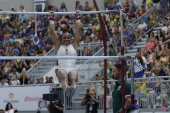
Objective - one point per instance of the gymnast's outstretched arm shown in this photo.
(54, 36)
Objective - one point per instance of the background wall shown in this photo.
(70, 4)
(5, 5)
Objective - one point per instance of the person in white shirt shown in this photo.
(9, 108)
(15, 81)
(165, 28)
(3, 83)
(142, 27)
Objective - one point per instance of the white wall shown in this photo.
(5, 5)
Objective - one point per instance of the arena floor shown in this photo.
(100, 111)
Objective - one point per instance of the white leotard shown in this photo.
(66, 64)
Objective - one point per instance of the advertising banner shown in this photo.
(22, 98)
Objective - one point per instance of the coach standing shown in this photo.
(117, 91)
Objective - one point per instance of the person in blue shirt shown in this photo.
(2, 52)
(16, 49)
(70, 18)
(140, 73)
(39, 81)
(41, 35)
(32, 32)
(41, 43)
(23, 17)
(40, 28)
(78, 6)
(32, 49)
(39, 18)
(63, 8)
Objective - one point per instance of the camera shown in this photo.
(88, 97)
(49, 97)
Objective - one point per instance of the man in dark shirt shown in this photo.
(91, 103)
(117, 91)
(55, 107)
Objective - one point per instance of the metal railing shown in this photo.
(35, 67)
(89, 63)
(154, 96)
(149, 91)
(34, 70)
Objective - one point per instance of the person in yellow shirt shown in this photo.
(96, 26)
(141, 90)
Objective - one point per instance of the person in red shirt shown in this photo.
(141, 11)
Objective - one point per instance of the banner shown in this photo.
(22, 98)
(138, 67)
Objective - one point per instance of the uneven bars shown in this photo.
(61, 57)
(59, 13)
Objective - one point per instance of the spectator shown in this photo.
(87, 17)
(31, 81)
(48, 42)
(39, 81)
(42, 80)
(2, 111)
(106, 2)
(21, 9)
(141, 90)
(9, 108)
(90, 102)
(92, 89)
(46, 8)
(47, 79)
(51, 80)
(141, 11)
(15, 111)
(40, 28)
(132, 10)
(140, 73)
(164, 7)
(15, 81)
(142, 27)
(63, 7)
(23, 17)
(109, 97)
(32, 49)
(8, 39)
(14, 71)
(23, 77)
(78, 6)
(3, 83)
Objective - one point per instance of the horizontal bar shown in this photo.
(60, 57)
(59, 13)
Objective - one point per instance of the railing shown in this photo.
(36, 66)
(89, 63)
(156, 90)
(153, 95)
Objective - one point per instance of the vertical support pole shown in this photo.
(122, 62)
(161, 94)
(104, 35)
(132, 82)
(64, 101)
